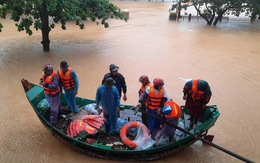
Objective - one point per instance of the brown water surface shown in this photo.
(227, 56)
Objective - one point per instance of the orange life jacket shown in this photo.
(49, 80)
(153, 100)
(77, 126)
(195, 93)
(142, 89)
(176, 110)
(66, 79)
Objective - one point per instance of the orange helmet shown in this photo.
(144, 78)
(158, 82)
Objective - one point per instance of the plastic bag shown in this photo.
(179, 134)
(90, 108)
(143, 140)
(185, 80)
(162, 141)
(43, 104)
(119, 124)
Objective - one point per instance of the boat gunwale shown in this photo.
(141, 154)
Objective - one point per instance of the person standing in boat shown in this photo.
(50, 83)
(156, 97)
(107, 95)
(171, 113)
(70, 83)
(145, 83)
(120, 83)
(197, 94)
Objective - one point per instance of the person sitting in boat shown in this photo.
(50, 83)
(107, 95)
(156, 97)
(145, 83)
(171, 113)
(119, 78)
(197, 94)
(70, 83)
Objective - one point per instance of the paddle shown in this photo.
(197, 136)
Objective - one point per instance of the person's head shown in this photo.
(64, 66)
(48, 69)
(113, 69)
(109, 82)
(158, 83)
(203, 86)
(144, 80)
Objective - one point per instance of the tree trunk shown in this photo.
(45, 38)
(179, 9)
(45, 29)
(209, 22)
(218, 18)
(253, 17)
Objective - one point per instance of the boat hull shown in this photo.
(35, 94)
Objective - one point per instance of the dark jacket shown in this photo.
(197, 107)
(120, 82)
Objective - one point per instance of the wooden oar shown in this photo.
(197, 136)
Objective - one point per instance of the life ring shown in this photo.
(126, 127)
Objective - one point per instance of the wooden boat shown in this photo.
(35, 94)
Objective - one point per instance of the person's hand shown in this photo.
(138, 105)
(159, 111)
(41, 82)
(76, 92)
(157, 138)
(124, 97)
(118, 111)
(44, 84)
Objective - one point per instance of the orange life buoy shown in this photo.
(126, 127)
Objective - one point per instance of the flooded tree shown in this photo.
(2, 14)
(213, 10)
(253, 9)
(37, 14)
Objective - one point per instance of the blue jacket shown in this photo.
(109, 99)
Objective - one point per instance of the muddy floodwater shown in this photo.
(227, 56)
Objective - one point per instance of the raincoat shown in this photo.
(120, 82)
(109, 99)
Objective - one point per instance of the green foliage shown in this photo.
(2, 13)
(213, 10)
(184, 5)
(35, 13)
(252, 9)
